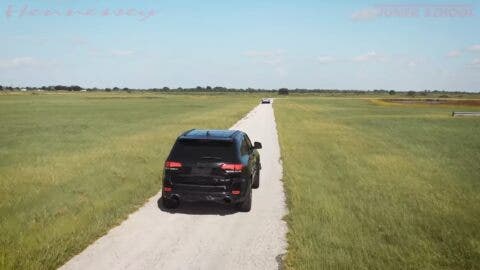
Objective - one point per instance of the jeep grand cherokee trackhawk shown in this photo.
(212, 165)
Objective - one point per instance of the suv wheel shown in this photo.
(170, 203)
(256, 179)
(246, 205)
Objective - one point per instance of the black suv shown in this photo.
(212, 165)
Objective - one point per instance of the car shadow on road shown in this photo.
(199, 208)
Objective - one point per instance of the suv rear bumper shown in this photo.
(189, 195)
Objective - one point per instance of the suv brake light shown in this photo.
(232, 167)
(172, 165)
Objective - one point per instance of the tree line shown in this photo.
(281, 91)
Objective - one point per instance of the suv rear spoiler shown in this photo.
(205, 138)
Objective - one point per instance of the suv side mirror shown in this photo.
(257, 145)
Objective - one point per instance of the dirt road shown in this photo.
(204, 236)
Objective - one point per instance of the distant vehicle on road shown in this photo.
(266, 101)
(212, 165)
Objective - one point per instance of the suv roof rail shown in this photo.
(234, 133)
(186, 132)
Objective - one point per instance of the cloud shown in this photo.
(474, 48)
(78, 41)
(365, 14)
(326, 59)
(475, 63)
(97, 52)
(402, 61)
(369, 57)
(454, 54)
(122, 52)
(274, 57)
(264, 54)
(30, 39)
(20, 62)
(281, 71)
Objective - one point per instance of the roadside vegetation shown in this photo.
(378, 185)
(74, 165)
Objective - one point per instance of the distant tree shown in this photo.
(411, 93)
(219, 89)
(125, 89)
(1, 88)
(75, 88)
(116, 89)
(209, 88)
(108, 89)
(65, 88)
(199, 88)
(391, 92)
(166, 89)
(283, 91)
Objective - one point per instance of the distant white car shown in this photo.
(266, 101)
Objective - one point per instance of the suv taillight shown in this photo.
(228, 167)
(172, 165)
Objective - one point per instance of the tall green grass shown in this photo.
(376, 186)
(74, 165)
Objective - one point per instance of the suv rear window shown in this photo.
(195, 149)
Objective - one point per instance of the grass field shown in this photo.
(74, 165)
(373, 185)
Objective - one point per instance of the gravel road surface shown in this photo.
(203, 235)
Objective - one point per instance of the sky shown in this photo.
(361, 45)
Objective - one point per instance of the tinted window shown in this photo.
(244, 149)
(194, 150)
(249, 143)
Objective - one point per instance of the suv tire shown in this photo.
(246, 205)
(256, 179)
(170, 203)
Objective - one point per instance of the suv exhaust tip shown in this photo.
(227, 200)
